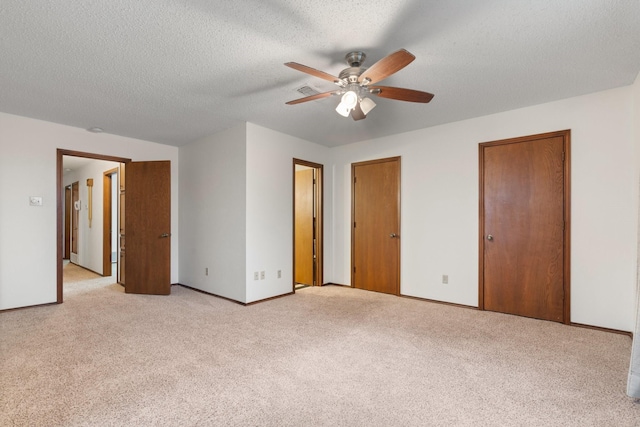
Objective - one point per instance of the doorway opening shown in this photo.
(307, 224)
(69, 245)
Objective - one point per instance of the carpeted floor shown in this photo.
(328, 356)
(72, 273)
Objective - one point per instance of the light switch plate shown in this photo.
(35, 201)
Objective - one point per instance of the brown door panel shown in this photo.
(376, 226)
(304, 196)
(523, 259)
(147, 251)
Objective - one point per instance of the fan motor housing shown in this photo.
(355, 58)
(351, 74)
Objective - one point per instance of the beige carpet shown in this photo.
(72, 273)
(326, 356)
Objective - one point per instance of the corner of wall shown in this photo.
(212, 211)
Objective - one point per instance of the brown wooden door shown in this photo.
(68, 207)
(75, 216)
(121, 224)
(304, 217)
(107, 220)
(376, 225)
(523, 242)
(148, 228)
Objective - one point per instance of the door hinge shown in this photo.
(563, 156)
(354, 269)
(354, 224)
(355, 179)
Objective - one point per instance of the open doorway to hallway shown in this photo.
(87, 217)
(91, 214)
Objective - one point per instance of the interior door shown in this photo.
(148, 228)
(121, 224)
(67, 222)
(524, 226)
(108, 203)
(375, 234)
(304, 226)
(75, 217)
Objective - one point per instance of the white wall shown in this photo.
(212, 214)
(236, 202)
(269, 213)
(28, 168)
(90, 238)
(636, 138)
(440, 202)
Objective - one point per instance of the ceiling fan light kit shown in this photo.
(354, 81)
(367, 104)
(348, 103)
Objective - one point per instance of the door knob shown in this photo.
(489, 237)
(165, 235)
(392, 235)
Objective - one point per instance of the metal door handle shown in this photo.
(165, 235)
(489, 237)
(392, 235)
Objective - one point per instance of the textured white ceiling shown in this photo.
(173, 71)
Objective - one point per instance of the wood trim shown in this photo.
(353, 211)
(269, 299)
(246, 304)
(481, 232)
(451, 304)
(209, 293)
(6, 310)
(567, 226)
(59, 225)
(106, 223)
(598, 328)
(566, 135)
(319, 265)
(60, 200)
(94, 156)
(67, 223)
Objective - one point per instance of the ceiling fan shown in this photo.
(355, 83)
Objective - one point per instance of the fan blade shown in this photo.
(312, 71)
(312, 97)
(357, 113)
(386, 66)
(401, 94)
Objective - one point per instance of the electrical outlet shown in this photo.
(262, 275)
(256, 275)
(445, 279)
(279, 274)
